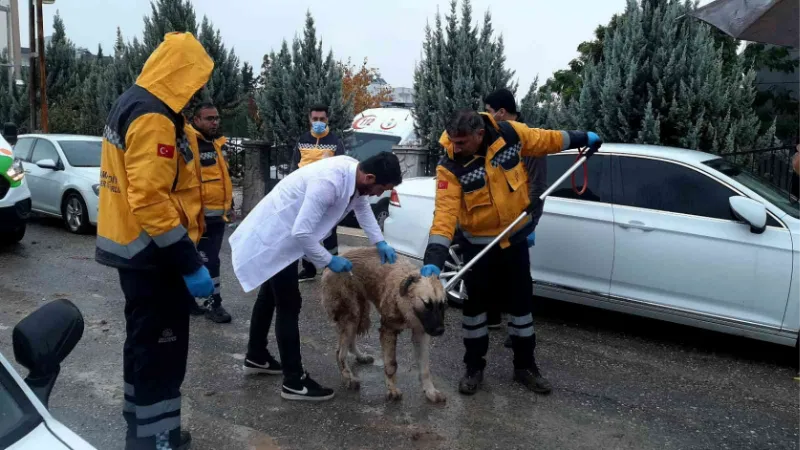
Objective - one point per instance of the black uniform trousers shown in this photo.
(331, 244)
(280, 293)
(209, 247)
(500, 278)
(154, 354)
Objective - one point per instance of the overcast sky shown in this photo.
(541, 36)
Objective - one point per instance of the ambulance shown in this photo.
(15, 198)
(379, 130)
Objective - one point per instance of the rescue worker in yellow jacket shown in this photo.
(217, 202)
(481, 188)
(150, 218)
(314, 145)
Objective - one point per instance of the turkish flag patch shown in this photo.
(442, 185)
(166, 151)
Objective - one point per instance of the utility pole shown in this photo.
(31, 65)
(42, 73)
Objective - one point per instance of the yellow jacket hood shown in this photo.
(176, 70)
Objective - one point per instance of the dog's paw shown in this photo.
(353, 384)
(435, 396)
(365, 359)
(394, 395)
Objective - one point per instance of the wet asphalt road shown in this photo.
(620, 382)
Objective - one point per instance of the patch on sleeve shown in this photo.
(442, 184)
(166, 151)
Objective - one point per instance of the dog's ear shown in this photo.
(406, 284)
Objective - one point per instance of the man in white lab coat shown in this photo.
(289, 223)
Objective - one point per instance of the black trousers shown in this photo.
(280, 293)
(209, 246)
(154, 355)
(331, 244)
(502, 279)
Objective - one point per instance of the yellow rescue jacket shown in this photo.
(483, 194)
(150, 209)
(214, 175)
(312, 147)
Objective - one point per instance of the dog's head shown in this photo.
(428, 301)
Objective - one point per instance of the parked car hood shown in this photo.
(417, 186)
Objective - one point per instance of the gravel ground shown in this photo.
(620, 382)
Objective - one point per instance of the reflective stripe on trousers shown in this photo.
(475, 327)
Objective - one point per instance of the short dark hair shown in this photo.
(319, 107)
(385, 166)
(202, 106)
(464, 122)
(502, 98)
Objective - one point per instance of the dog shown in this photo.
(404, 299)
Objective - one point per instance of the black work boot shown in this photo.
(183, 440)
(195, 309)
(308, 273)
(533, 380)
(471, 381)
(216, 313)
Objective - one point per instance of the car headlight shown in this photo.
(96, 189)
(16, 172)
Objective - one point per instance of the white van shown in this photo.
(379, 130)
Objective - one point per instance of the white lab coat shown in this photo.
(295, 217)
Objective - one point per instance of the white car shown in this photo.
(63, 175)
(41, 342)
(666, 233)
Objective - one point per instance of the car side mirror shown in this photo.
(10, 132)
(47, 164)
(42, 341)
(751, 212)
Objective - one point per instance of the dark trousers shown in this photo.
(209, 247)
(154, 355)
(331, 244)
(280, 293)
(501, 278)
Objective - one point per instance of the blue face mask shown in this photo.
(318, 127)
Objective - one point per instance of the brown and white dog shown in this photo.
(404, 299)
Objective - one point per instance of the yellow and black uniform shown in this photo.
(480, 196)
(313, 147)
(150, 217)
(217, 201)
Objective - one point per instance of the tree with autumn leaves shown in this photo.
(356, 82)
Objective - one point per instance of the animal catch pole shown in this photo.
(581, 160)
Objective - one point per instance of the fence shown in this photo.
(773, 165)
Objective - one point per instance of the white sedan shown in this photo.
(63, 175)
(660, 232)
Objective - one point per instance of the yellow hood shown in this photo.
(176, 70)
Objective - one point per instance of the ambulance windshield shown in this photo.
(364, 145)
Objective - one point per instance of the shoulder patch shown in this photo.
(166, 151)
(442, 184)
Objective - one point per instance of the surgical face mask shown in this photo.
(318, 127)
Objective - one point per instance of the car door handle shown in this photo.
(636, 225)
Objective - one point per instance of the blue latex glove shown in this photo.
(594, 139)
(429, 270)
(387, 253)
(531, 239)
(340, 265)
(199, 283)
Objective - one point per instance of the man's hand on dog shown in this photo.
(387, 253)
(340, 265)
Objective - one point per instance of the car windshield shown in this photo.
(772, 194)
(81, 153)
(17, 415)
(364, 145)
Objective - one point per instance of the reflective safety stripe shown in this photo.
(521, 332)
(521, 320)
(439, 239)
(159, 408)
(124, 251)
(477, 333)
(170, 237)
(151, 429)
(217, 290)
(129, 389)
(565, 140)
(113, 137)
(128, 407)
(473, 321)
(214, 212)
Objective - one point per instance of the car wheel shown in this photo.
(381, 215)
(13, 237)
(458, 293)
(75, 214)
